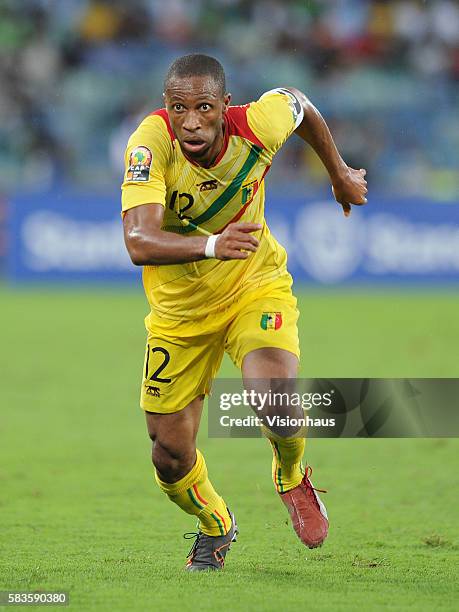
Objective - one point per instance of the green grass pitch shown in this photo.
(80, 510)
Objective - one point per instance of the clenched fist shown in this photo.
(350, 188)
(236, 241)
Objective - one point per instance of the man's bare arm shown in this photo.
(349, 185)
(149, 245)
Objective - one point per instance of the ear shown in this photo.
(226, 102)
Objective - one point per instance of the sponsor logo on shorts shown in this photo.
(208, 185)
(139, 164)
(271, 321)
(153, 391)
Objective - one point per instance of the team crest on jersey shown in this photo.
(248, 191)
(139, 164)
(271, 321)
(208, 185)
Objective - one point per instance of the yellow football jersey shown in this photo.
(201, 200)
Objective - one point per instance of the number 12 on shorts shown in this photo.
(156, 354)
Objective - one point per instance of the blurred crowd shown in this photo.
(77, 75)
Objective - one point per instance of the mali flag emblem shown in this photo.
(271, 320)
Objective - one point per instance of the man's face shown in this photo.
(196, 106)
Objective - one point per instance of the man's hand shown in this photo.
(236, 241)
(350, 188)
(349, 185)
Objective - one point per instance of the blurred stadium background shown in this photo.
(77, 76)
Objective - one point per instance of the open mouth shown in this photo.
(194, 145)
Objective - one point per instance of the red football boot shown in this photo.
(308, 514)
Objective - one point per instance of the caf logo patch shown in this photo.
(139, 164)
(271, 320)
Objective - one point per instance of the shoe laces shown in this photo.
(308, 474)
(189, 535)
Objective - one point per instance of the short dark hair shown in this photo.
(197, 64)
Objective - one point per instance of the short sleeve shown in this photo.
(274, 117)
(146, 159)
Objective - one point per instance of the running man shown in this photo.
(216, 279)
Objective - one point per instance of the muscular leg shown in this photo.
(181, 470)
(308, 514)
(270, 363)
(174, 440)
(275, 370)
(260, 370)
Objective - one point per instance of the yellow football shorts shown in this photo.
(183, 358)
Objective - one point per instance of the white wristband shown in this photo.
(210, 246)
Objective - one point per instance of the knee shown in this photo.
(173, 462)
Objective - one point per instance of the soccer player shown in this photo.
(216, 279)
